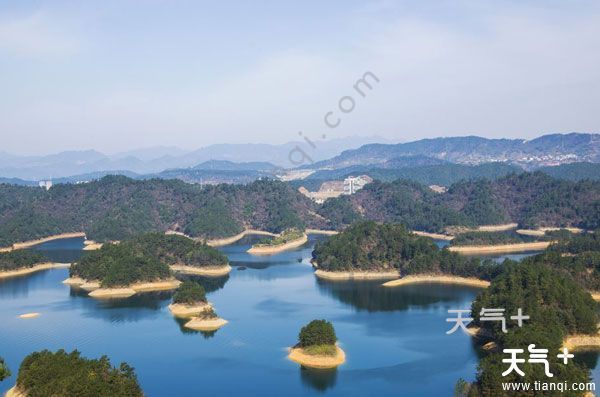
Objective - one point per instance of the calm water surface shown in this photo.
(394, 339)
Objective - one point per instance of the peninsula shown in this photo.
(317, 346)
(287, 240)
(367, 250)
(22, 262)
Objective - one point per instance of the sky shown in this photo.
(124, 74)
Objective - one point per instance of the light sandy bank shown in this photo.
(483, 228)
(31, 243)
(203, 324)
(500, 249)
(96, 290)
(33, 269)
(582, 342)
(595, 295)
(91, 245)
(436, 236)
(298, 355)
(230, 240)
(320, 231)
(29, 315)
(358, 275)
(542, 231)
(438, 279)
(14, 392)
(207, 271)
(275, 249)
(184, 311)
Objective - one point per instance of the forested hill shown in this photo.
(116, 207)
(530, 199)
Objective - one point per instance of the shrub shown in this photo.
(4, 371)
(189, 293)
(317, 332)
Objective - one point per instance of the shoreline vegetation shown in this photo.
(182, 310)
(543, 230)
(287, 240)
(500, 248)
(435, 236)
(438, 279)
(220, 242)
(91, 245)
(33, 269)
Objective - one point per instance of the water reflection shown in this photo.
(210, 284)
(372, 297)
(63, 251)
(318, 379)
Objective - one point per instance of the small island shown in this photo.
(287, 240)
(68, 374)
(189, 300)
(367, 250)
(317, 346)
(22, 262)
(207, 320)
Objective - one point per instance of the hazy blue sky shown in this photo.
(114, 75)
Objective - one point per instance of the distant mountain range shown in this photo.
(438, 160)
(547, 150)
(158, 159)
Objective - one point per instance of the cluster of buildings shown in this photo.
(332, 189)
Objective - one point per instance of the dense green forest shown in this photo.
(144, 258)
(189, 293)
(375, 247)
(557, 306)
(530, 199)
(174, 249)
(46, 373)
(489, 238)
(18, 259)
(116, 208)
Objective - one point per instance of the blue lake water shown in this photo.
(394, 339)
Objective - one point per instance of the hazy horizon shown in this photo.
(122, 75)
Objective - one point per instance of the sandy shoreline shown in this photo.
(199, 324)
(275, 249)
(500, 249)
(31, 243)
(230, 240)
(184, 311)
(91, 245)
(33, 269)
(357, 275)
(29, 315)
(298, 355)
(542, 231)
(320, 231)
(435, 236)
(207, 271)
(96, 291)
(582, 342)
(14, 392)
(438, 279)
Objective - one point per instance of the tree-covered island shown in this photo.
(46, 373)
(316, 347)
